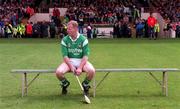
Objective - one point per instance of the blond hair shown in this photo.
(73, 23)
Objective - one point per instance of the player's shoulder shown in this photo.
(66, 38)
(82, 37)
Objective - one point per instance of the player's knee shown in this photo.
(91, 71)
(59, 72)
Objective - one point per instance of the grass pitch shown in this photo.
(118, 91)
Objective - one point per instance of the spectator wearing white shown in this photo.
(173, 30)
(89, 31)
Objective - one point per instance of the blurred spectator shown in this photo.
(81, 24)
(178, 30)
(156, 29)
(8, 30)
(125, 30)
(44, 30)
(56, 16)
(56, 12)
(119, 32)
(139, 29)
(29, 30)
(1, 29)
(28, 12)
(14, 19)
(36, 30)
(21, 30)
(115, 29)
(173, 29)
(52, 29)
(136, 13)
(151, 21)
(167, 28)
(89, 31)
(14, 32)
(94, 32)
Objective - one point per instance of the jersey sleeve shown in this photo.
(64, 49)
(86, 48)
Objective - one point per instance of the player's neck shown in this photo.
(74, 36)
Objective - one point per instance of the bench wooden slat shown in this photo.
(100, 70)
(138, 70)
(32, 70)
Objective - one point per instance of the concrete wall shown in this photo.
(39, 17)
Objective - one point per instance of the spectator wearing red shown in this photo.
(31, 12)
(56, 12)
(56, 16)
(28, 11)
(29, 30)
(151, 21)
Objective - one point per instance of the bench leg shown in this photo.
(26, 87)
(24, 84)
(98, 83)
(94, 87)
(165, 84)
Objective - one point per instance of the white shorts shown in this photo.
(63, 68)
(75, 62)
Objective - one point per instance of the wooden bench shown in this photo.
(163, 83)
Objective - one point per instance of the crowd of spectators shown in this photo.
(85, 12)
(99, 11)
(119, 13)
(12, 16)
(168, 9)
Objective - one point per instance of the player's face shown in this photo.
(72, 31)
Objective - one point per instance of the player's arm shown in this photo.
(80, 68)
(66, 59)
(85, 57)
(83, 62)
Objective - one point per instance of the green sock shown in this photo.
(64, 81)
(86, 81)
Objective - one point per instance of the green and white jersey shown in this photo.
(75, 48)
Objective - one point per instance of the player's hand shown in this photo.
(73, 69)
(78, 71)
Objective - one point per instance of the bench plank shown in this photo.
(101, 70)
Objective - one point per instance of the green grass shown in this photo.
(118, 91)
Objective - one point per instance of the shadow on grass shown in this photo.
(12, 100)
(130, 96)
(44, 98)
(77, 96)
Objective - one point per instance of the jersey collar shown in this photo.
(76, 38)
